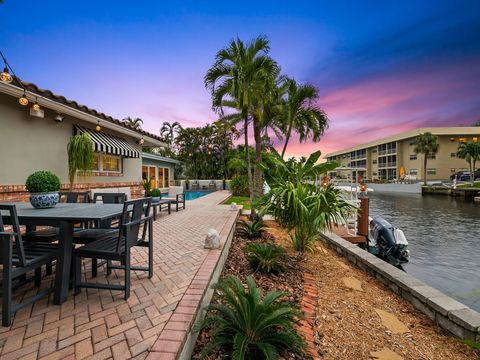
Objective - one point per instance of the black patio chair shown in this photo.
(135, 216)
(18, 258)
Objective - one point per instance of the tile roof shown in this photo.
(36, 90)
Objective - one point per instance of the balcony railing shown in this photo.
(387, 152)
(387, 164)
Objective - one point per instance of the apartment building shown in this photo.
(393, 157)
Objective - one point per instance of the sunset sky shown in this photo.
(381, 66)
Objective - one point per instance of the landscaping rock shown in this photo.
(352, 283)
(385, 354)
(213, 239)
(391, 322)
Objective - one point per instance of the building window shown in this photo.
(374, 161)
(431, 171)
(374, 174)
(413, 157)
(412, 141)
(374, 150)
(431, 156)
(453, 154)
(107, 163)
(413, 171)
(452, 170)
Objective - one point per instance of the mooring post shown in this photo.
(362, 219)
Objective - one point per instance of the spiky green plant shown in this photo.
(80, 156)
(247, 327)
(265, 258)
(251, 229)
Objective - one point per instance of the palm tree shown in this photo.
(170, 130)
(426, 144)
(301, 114)
(135, 124)
(237, 70)
(471, 153)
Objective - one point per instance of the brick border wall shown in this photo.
(449, 314)
(19, 193)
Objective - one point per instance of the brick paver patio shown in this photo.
(154, 322)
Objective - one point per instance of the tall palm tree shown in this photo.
(170, 130)
(135, 124)
(426, 144)
(471, 153)
(237, 70)
(301, 114)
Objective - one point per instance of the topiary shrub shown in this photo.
(251, 230)
(42, 182)
(155, 193)
(239, 185)
(246, 327)
(265, 258)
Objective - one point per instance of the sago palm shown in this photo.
(135, 124)
(301, 114)
(247, 327)
(426, 144)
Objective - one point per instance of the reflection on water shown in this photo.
(444, 239)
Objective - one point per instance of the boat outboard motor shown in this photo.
(387, 242)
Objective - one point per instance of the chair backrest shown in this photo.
(135, 213)
(72, 197)
(173, 191)
(110, 198)
(9, 213)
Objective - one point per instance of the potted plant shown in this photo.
(156, 195)
(147, 186)
(43, 187)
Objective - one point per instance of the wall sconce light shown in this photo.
(141, 141)
(98, 127)
(474, 139)
(23, 99)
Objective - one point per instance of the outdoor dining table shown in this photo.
(65, 216)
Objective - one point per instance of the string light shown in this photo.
(36, 105)
(5, 75)
(23, 99)
(98, 127)
(141, 141)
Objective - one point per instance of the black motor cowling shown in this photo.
(388, 242)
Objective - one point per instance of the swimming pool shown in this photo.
(192, 195)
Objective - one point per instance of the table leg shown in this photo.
(155, 212)
(62, 273)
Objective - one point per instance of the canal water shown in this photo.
(444, 240)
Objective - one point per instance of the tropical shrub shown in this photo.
(42, 181)
(155, 193)
(80, 156)
(265, 258)
(239, 185)
(297, 203)
(251, 229)
(147, 186)
(247, 327)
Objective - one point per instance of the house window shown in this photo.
(166, 177)
(160, 176)
(431, 171)
(413, 171)
(413, 157)
(107, 163)
(111, 163)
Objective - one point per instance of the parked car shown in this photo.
(465, 175)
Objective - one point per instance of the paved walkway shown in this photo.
(99, 324)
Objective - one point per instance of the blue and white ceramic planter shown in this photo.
(155, 199)
(44, 200)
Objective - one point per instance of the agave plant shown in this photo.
(265, 258)
(251, 229)
(246, 327)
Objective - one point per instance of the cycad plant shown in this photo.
(265, 258)
(251, 229)
(80, 156)
(297, 203)
(246, 327)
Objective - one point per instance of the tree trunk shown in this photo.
(472, 171)
(247, 157)
(287, 138)
(425, 169)
(257, 171)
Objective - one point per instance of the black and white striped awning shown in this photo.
(109, 144)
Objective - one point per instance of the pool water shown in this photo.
(192, 195)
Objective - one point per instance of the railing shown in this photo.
(387, 152)
(387, 164)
